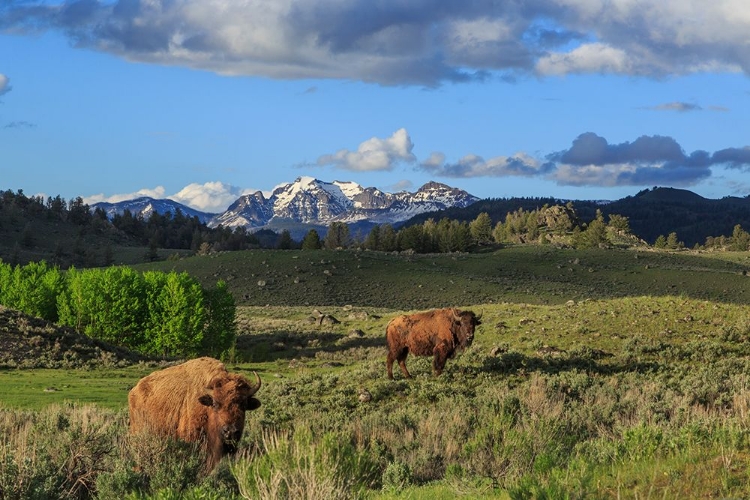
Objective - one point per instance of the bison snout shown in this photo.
(231, 433)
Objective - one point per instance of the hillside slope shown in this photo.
(28, 342)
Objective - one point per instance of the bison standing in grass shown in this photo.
(196, 401)
(438, 333)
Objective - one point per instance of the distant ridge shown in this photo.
(670, 195)
(308, 202)
(145, 206)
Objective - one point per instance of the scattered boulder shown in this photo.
(364, 396)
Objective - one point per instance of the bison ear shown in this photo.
(206, 400)
(251, 404)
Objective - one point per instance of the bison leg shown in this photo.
(399, 356)
(441, 354)
(389, 364)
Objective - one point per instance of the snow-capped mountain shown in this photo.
(145, 206)
(312, 202)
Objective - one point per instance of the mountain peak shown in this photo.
(311, 201)
(308, 200)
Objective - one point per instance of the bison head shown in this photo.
(230, 397)
(464, 324)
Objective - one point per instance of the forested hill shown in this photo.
(664, 210)
(652, 212)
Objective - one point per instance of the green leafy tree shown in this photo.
(176, 316)
(105, 304)
(221, 332)
(32, 288)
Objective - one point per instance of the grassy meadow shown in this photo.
(594, 374)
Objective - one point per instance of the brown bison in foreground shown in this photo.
(196, 401)
(438, 333)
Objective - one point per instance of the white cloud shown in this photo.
(589, 58)
(373, 154)
(4, 84)
(211, 197)
(156, 193)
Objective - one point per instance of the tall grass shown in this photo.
(293, 465)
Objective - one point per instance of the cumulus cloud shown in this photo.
(211, 197)
(4, 84)
(649, 160)
(593, 161)
(374, 154)
(519, 165)
(422, 42)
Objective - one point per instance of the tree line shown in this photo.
(555, 224)
(535, 220)
(75, 226)
(164, 314)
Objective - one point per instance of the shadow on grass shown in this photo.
(515, 362)
(290, 345)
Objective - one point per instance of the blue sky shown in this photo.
(202, 101)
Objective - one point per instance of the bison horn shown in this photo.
(257, 385)
(480, 315)
(456, 314)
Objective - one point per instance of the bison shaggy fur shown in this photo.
(438, 333)
(196, 401)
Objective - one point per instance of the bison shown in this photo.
(438, 333)
(197, 401)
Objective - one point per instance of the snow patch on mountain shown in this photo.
(308, 200)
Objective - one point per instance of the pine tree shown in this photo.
(285, 240)
(481, 228)
(311, 240)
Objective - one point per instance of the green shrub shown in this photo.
(396, 477)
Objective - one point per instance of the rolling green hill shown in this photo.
(529, 274)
